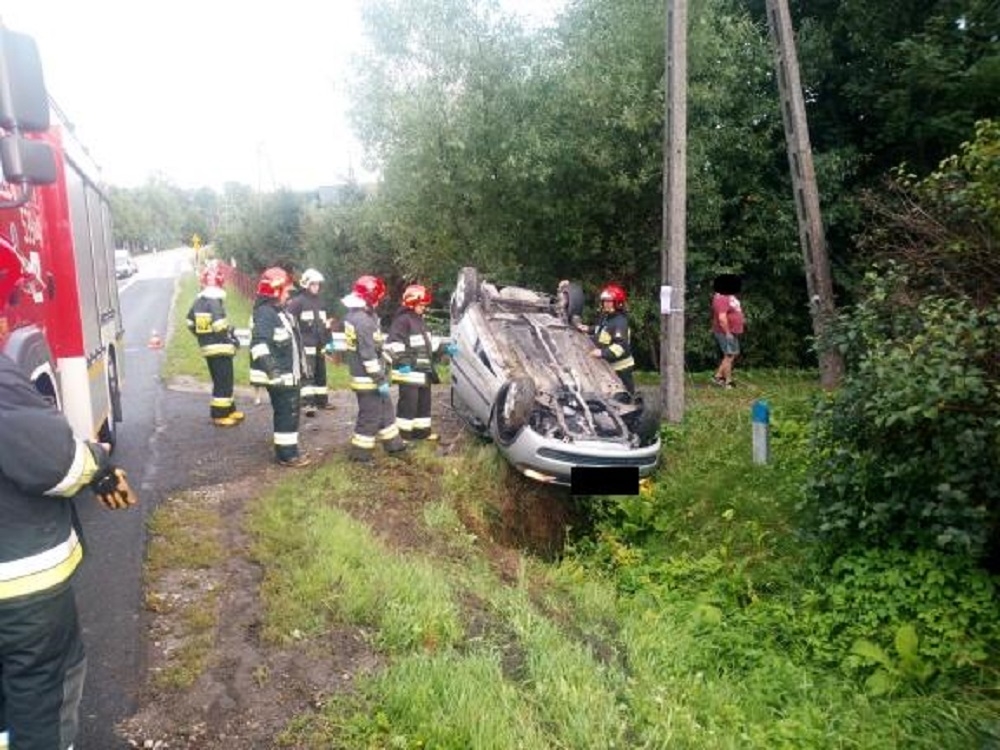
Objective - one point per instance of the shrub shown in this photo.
(907, 451)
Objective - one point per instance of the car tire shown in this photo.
(647, 423)
(466, 292)
(512, 408)
(572, 300)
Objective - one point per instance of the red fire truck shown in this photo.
(60, 316)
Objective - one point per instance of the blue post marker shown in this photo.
(760, 416)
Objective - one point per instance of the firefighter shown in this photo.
(410, 346)
(310, 315)
(42, 468)
(208, 322)
(611, 335)
(367, 363)
(276, 362)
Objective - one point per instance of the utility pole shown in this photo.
(819, 282)
(674, 238)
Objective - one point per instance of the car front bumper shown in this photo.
(552, 461)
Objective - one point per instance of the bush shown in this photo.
(904, 618)
(907, 451)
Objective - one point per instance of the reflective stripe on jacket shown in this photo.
(364, 356)
(409, 345)
(208, 322)
(42, 466)
(275, 346)
(612, 337)
(310, 316)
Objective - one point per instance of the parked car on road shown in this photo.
(523, 376)
(125, 264)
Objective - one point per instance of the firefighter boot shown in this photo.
(361, 455)
(227, 421)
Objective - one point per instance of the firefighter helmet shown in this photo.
(614, 294)
(212, 275)
(310, 276)
(416, 294)
(369, 288)
(273, 282)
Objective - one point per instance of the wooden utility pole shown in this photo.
(674, 240)
(819, 282)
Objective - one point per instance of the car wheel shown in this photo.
(572, 301)
(512, 408)
(466, 292)
(647, 423)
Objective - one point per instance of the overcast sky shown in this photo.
(207, 91)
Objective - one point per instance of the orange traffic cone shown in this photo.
(155, 342)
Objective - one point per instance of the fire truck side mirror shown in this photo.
(24, 103)
(27, 162)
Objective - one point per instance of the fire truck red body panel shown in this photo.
(60, 316)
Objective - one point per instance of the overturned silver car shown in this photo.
(523, 376)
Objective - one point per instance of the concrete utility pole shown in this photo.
(819, 282)
(674, 239)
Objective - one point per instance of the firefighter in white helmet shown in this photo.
(310, 313)
(43, 466)
(207, 320)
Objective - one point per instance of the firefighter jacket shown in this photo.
(364, 339)
(309, 313)
(208, 322)
(612, 337)
(42, 466)
(275, 346)
(409, 345)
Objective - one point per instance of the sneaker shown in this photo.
(225, 421)
(295, 463)
(718, 382)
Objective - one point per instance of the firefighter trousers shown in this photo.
(413, 412)
(285, 405)
(314, 391)
(42, 666)
(220, 367)
(376, 422)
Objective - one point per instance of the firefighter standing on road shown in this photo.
(410, 347)
(308, 310)
(42, 467)
(612, 337)
(276, 362)
(376, 420)
(208, 322)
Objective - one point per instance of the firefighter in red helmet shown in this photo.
(367, 363)
(611, 335)
(410, 346)
(207, 320)
(276, 362)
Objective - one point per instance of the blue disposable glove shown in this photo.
(404, 369)
(451, 348)
(328, 348)
(383, 389)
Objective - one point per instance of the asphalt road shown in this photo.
(108, 586)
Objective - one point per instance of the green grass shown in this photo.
(675, 624)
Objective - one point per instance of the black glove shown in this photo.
(113, 490)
